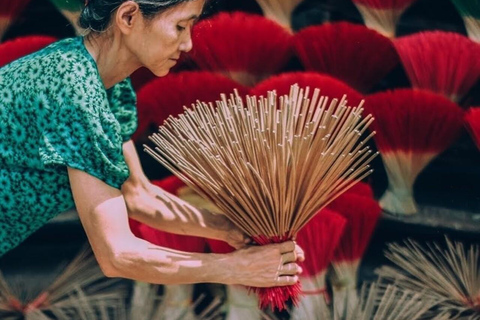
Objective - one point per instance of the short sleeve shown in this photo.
(78, 129)
(123, 103)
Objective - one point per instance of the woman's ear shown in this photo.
(127, 15)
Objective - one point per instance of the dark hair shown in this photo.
(97, 13)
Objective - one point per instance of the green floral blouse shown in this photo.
(54, 113)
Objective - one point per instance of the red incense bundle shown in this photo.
(413, 127)
(382, 15)
(9, 11)
(443, 62)
(352, 53)
(362, 214)
(167, 96)
(329, 86)
(319, 238)
(20, 47)
(246, 48)
(362, 189)
(269, 165)
(472, 122)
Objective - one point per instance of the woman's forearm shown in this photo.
(159, 209)
(149, 263)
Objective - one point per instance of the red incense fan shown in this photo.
(443, 62)
(166, 96)
(329, 86)
(352, 53)
(246, 48)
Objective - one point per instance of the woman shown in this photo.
(66, 115)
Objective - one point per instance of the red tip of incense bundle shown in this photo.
(352, 53)
(414, 121)
(472, 123)
(319, 239)
(20, 47)
(443, 62)
(247, 48)
(329, 86)
(9, 11)
(412, 127)
(362, 214)
(166, 96)
(361, 189)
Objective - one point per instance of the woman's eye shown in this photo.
(180, 28)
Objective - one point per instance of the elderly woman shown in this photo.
(66, 116)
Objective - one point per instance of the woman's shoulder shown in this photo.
(61, 59)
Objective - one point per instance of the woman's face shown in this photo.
(158, 42)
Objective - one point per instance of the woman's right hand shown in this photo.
(266, 266)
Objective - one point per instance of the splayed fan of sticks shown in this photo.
(449, 275)
(269, 165)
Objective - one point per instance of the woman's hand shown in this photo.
(267, 266)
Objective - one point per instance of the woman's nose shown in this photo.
(186, 45)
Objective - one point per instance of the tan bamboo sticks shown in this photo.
(271, 163)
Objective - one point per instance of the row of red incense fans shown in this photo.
(442, 62)
(230, 44)
(337, 236)
(412, 126)
(422, 128)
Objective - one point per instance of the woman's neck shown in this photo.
(114, 61)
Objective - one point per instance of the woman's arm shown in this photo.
(159, 209)
(104, 216)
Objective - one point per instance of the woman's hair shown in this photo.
(97, 13)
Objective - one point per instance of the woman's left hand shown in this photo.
(236, 237)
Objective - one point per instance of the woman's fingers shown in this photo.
(299, 253)
(287, 246)
(289, 269)
(286, 280)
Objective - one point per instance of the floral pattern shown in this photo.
(55, 113)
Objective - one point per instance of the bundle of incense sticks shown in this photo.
(269, 165)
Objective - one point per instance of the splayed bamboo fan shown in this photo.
(279, 11)
(442, 62)
(470, 12)
(271, 165)
(360, 63)
(382, 15)
(448, 274)
(379, 302)
(82, 274)
(472, 122)
(9, 11)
